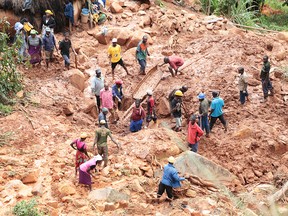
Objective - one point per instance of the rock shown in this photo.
(278, 73)
(116, 8)
(53, 204)
(149, 173)
(269, 176)
(38, 189)
(243, 133)
(108, 194)
(249, 212)
(282, 36)
(76, 78)
(68, 109)
(146, 21)
(20, 94)
(133, 6)
(191, 193)
(31, 177)
(141, 13)
(123, 37)
(136, 38)
(123, 204)
(102, 39)
(163, 107)
(16, 188)
(144, 6)
(210, 26)
(105, 171)
(253, 82)
(111, 206)
(135, 186)
(281, 56)
(67, 199)
(67, 189)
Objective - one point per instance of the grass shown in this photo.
(5, 109)
(26, 208)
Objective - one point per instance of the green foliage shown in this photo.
(159, 3)
(24, 208)
(5, 109)
(5, 138)
(242, 15)
(10, 79)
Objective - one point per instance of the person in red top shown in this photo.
(194, 134)
(174, 63)
(137, 117)
(151, 112)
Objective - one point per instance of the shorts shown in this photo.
(103, 151)
(48, 54)
(114, 64)
(178, 122)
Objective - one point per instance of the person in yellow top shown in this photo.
(114, 53)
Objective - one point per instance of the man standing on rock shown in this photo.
(141, 54)
(106, 98)
(176, 105)
(174, 63)
(64, 47)
(101, 135)
(103, 116)
(194, 134)
(97, 83)
(48, 45)
(265, 79)
(216, 110)
(151, 109)
(242, 85)
(169, 180)
(114, 53)
(203, 112)
(117, 92)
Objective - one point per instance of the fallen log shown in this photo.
(255, 28)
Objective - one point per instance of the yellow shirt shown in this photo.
(115, 53)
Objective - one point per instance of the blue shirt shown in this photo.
(49, 42)
(170, 177)
(117, 91)
(216, 105)
(69, 12)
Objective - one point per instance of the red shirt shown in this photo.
(150, 105)
(138, 114)
(175, 62)
(194, 133)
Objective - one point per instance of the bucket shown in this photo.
(85, 11)
(84, 18)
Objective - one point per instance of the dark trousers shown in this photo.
(162, 188)
(266, 87)
(98, 102)
(243, 97)
(193, 147)
(214, 119)
(204, 123)
(142, 64)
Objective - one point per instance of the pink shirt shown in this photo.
(106, 98)
(85, 166)
(175, 62)
(80, 144)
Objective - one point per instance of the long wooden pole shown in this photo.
(256, 28)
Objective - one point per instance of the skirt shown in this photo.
(80, 158)
(35, 54)
(84, 178)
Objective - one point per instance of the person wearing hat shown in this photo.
(204, 105)
(169, 180)
(101, 135)
(141, 54)
(49, 43)
(48, 22)
(103, 116)
(81, 150)
(85, 170)
(117, 92)
(107, 102)
(114, 53)
(265, 79)
(64, 46)
(34, 47)
(174, 63)
(151, 108)
(171, 96)
(97, 84)
(242, 85)
(176, 112)
(137, 117)
(194, 134)
(216, 111)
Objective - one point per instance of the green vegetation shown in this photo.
(24, 208)
(10, 79)
(5, 109)
(5, 138)
(246, 12)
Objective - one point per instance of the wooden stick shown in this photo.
(255, 28)
(26, 115)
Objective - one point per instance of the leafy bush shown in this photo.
(10, 79)
(5, 109)
(24, 208)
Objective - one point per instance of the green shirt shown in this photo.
(102, 134)
(265, 70)
(141, 51)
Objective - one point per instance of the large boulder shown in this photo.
(136, 38)
(66, 189)
(116, 8)
(107, 194)
(102, 39)
(123, 37)
(163, 107)
(283, 36)
(76, 78)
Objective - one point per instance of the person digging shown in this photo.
(174, 63)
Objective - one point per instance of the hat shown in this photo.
(102, 122)
(149, 92)
(119, 82)
(171, 159)
(104, 109)
(178, 93)
(114, 40)
(97, 157)
(83, 135)
(98, 71)
(49, 12)
(33, 32)
(201, 96)
(48, 29)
